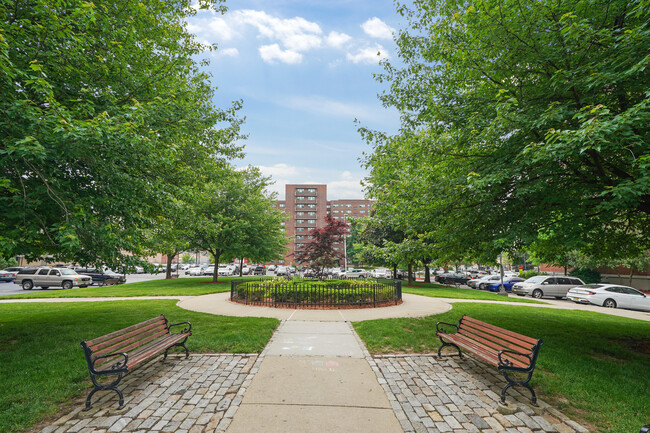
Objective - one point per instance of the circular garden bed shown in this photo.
(316, 294)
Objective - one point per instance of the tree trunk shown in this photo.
(394, 271)
(168, 269)
(427, 274)
(410, 271)
(629, 283)
(215, 276)
(241, 267)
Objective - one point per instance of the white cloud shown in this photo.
(376, 28)
(337, 40)
(331, 107)
(295, 34)
(368, 55)
(271, 53)
(220, 29)
(230, 52)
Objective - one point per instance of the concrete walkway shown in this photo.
(314, 378)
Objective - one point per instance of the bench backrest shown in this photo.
(500, 339)
(124, 340)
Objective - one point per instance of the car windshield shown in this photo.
(537, 279)
(67, 272)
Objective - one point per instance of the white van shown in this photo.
(544, 285)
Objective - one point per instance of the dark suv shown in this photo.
(257, 270)
(451, 278)
(101, 277)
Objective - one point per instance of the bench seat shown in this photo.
(121, 351)
(509, 351)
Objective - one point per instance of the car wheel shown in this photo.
(67, 285)
(45, 287)
(28, 285)
(361, 276)
(502, 288)
(538, 294)
(558, 297)
(481, 286)
(609, 303)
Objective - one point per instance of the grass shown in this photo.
(592, 366)
(43, 367)
(173, 287)
(440, 291)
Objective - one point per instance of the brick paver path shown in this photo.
(178, 395)
(450, 395)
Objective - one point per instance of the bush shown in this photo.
(7, 263)
(589, 276)
(530, 273)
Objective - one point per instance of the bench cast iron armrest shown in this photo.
(184, 331)
(508, 363)
(119, 367)
(438, 329)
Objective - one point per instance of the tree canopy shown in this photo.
(106, 117)
(519, 120)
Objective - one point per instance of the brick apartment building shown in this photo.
(307, 206)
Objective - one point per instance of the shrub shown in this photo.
(530, 273)
(589, 276)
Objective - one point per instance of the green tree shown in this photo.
(103, 109)
(232, 214)
(520, 120)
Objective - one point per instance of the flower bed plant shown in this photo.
(304, 293)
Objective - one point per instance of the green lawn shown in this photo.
(42, 364)
(173, 287)
(593, 367)
(440, 291)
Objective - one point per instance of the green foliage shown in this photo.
(187, 258)
(7, 263)
(519, 122)
(528, 274)
(587, 275)
(107, 119)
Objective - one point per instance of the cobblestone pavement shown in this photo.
(180, 395)
(451, 395)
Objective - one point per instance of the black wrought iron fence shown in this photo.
(317, 294)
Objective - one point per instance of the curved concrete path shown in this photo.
(412, 306)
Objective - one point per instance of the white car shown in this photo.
(195, 271)
(481, 283)
(610, 296)
(225, 271)
(380, 273)
(355, 273)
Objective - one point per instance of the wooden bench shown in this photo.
(119, 352)
(508, 351)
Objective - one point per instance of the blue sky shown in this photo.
(303, 69)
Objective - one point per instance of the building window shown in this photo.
(348, 211)
(300, 206)
(300, 237)
(311, 198)
(281, 204)
(336, 248)
(348, 205)
(311, 190)
(300, 190)
(362, 211)
(311, 213)
(283, 223)
(362, 205)
(336, 211)
(300, 197)
(311, 221)
(300, 213)
(300, 229)
(335, 205)
(311, 206)
(300, 221)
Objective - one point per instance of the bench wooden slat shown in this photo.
(126, 335)
(521, 337)
(103, 338)
(487, 353)
(496, 347)
(495, 339)
(144, 352)
(121, 345)
(140, 343)
(520, 345)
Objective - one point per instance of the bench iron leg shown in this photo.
(523, 383)
(100, 387)
(181, 344)
(444, 343)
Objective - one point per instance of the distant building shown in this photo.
(307, 206)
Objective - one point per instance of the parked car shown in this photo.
(482, 282)
(223, 271)
(271, 268)
(208, 270)
(100, 276)
(46, 277)
(195, 271)
(258, 270)
(451, 278)
(610, 296)
(508, 282)
(14, 270)
(7, 276)
(356, 273)
(380, 273)
(281, 271)
(544, 285)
